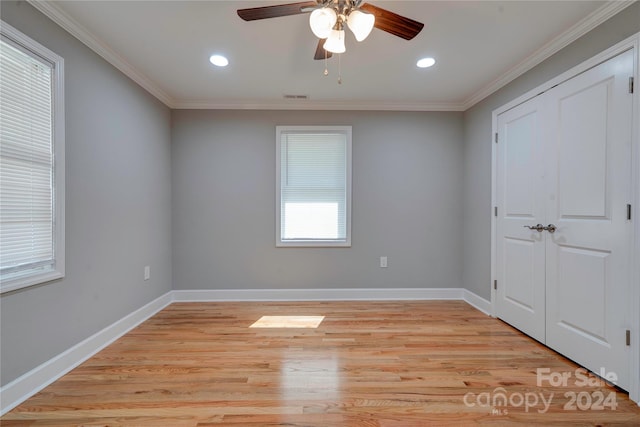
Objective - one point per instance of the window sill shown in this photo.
(25, 280)
(313, 244)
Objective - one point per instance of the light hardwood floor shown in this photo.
(383, 364)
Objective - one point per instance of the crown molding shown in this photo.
(316, 105)
(594, 19)
(48, 8)
(57, 15)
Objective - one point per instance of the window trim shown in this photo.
(346, 130)
(57, 271)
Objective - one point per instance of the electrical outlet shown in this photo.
(383, 261)
(147, 272)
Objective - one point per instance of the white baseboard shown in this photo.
(477, 302)
(369, 294)
(20, 389)
(353, 294)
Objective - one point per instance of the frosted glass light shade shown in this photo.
(360, 24)
(322, 21)
(335, 42)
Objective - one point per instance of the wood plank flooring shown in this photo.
(386, 364)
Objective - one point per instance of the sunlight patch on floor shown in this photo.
(288, 322)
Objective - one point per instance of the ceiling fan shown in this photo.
(328, 18)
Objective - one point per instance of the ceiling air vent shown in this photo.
(285, 96)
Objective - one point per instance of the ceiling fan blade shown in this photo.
(393, 23)
(265, 12)
(320, 52)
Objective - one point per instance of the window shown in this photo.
(313, 184)
(31, 162)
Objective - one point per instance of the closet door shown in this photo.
(588, 124)
(520, 198)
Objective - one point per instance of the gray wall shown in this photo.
(118, 207)
(477, 141)
(407, 202)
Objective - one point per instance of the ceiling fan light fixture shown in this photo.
(360, 24)
(335, 42)
(322, 22)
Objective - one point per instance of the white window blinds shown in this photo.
(27, 197)
(314, 186)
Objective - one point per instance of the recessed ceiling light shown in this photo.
(219, 60)
(426, 62)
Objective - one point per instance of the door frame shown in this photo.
(632, 42)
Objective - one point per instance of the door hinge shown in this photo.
(496, 138)
(629, 212)
(628, 337)
(495, 284)
(495, 211)
(630, 84)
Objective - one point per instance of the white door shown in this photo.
(520, 198)
(564, 162)
(588, 128)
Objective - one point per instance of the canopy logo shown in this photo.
(499, 401)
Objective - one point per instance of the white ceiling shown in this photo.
(479, 46)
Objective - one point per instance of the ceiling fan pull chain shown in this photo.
(339, 68)
(326, 67)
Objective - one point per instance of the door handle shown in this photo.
(539, 227)
(550, 228)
